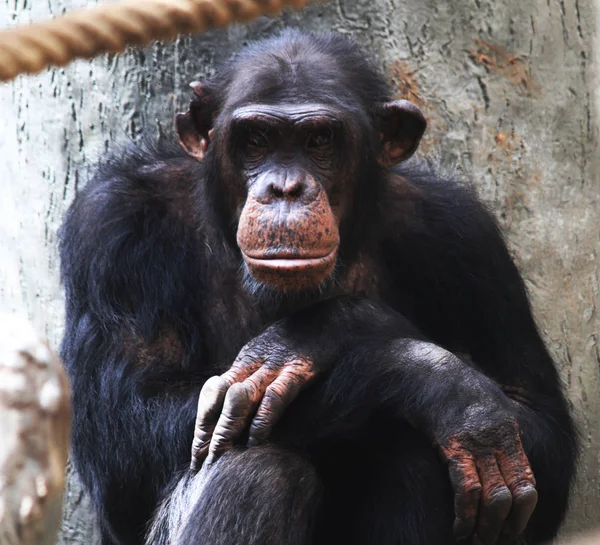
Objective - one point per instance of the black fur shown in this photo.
(156, 304)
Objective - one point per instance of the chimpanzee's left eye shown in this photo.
(257, 138)
(320, 140)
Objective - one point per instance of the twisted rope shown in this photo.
(110, 28)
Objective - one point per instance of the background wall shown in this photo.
(510, 88)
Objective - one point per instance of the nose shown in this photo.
(290, 189)
(290, 186)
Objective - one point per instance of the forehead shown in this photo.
(310, 78)
(303, 114)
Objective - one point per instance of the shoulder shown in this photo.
(131, 241)
(421, 196)
(137, 192)
(139, 212)
(134, 176)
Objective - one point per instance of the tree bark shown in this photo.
(510, 92)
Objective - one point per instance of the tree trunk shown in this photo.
(509, 89)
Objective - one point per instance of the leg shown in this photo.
(259, 496)
(398, 493)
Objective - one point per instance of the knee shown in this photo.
(257, 471)
(263, 484)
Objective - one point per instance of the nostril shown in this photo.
(294, 191)
(293, 188)
(277, 191)
(290, 191)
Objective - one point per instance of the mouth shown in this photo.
(290, 262)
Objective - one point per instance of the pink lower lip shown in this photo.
(291, 263)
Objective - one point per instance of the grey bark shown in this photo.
(511, 91)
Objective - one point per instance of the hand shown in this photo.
(493, 483)
(264, 379)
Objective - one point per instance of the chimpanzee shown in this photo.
(340, 337)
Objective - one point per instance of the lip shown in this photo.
(290, 262)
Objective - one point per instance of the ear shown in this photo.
(194, 127)
(402, 125)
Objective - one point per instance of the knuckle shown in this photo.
(508, 429)
(464, 476)
(523, 485)
(498, 498)
(200, 451)
(520, 470)
(212, 389)
(198, 443)
(274, 395)
(472, 490)
(217, 442)
(260, 423)
(213, 384)
(253, 385)
(229, 377)
(237, 397)
(226, 429)
(248, 356)
(236, 390)
(526, 496)
(300, 364)
(202, 435)
(297, 378)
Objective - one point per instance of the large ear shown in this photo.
(402, 125)
(194, 127)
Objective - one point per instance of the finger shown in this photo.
(239, 406)
(519, 478)
(496, 501)
(246, 364)
(278, 395)
(237, 373)
(467, 493)
(210, 402)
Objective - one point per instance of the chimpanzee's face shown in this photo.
(290, 159)
(288, 151)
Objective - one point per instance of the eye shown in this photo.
(320, 140)
(257, 138)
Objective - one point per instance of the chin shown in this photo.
(278, 289)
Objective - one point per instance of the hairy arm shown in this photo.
(128, 344)
(456, 280)
(371, 361)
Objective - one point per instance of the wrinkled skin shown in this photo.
(252, 396)
(493, 482)
(299, 255)
(491, 476)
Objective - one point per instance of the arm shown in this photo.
(376, 363)
(464, 291)
(125, 446)
(128, 346)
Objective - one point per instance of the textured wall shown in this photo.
(509, 88)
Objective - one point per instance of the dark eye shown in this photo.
(320, 140)
(257, 138)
